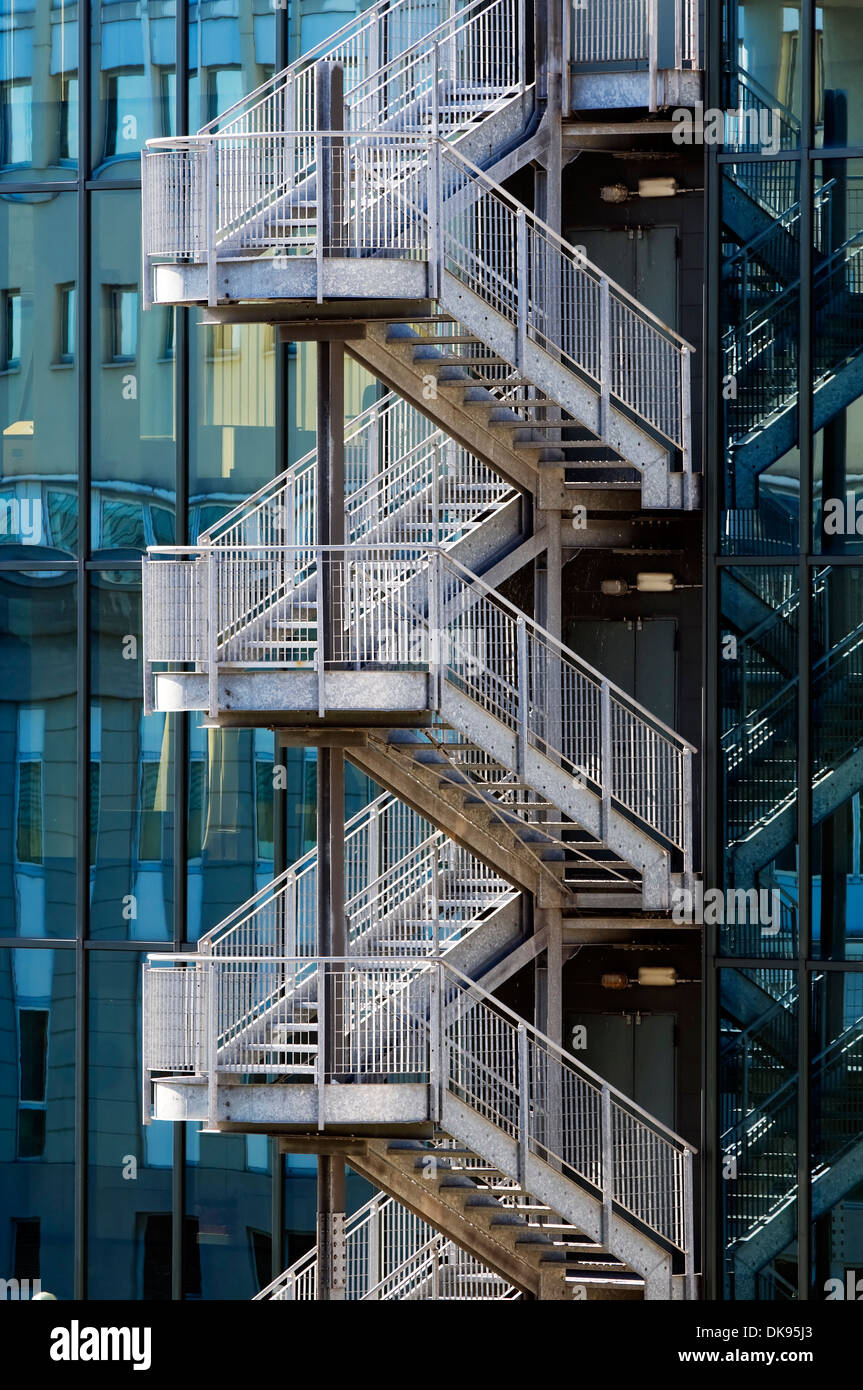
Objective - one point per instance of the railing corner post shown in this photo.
(689, 1224)
(522, 273)
(686, 809)
(212, 224)
(522, 696)
(212, 1044)
(212, 635)
(607, 1165)
(523, 1105)
(606, 755)
(653, 53)
(605, 373)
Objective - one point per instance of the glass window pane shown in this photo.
(838, 75)
(233, 439)
(760, 338)
(38, 739)
(228, 1230)
(133, 430)
(763, 85)
(131, 885)
(758, 1125)
(38, 91)
(38, 377)
(133, 62)
(37, 1025)
(130, 1165)
(229, 822)
(758, 691)
(837, 779)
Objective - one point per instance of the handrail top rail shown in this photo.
(354, 27)
(418, 966)
(309, 460)
(453, 153)
(417, 140)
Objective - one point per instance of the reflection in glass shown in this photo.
(230, 821)
(38, 380)
(39, 754)
(838, 73)
(836, 1098)
(758, 673)
(132, 822)
(133, 60)
(38, 90)
(134, 447)
(233, 443)
(230, 54)
(37, 1022)
(129, 1164)
(758, 1124)
(760, 352)
(227, 1229)
(763, 78)
(837, 778)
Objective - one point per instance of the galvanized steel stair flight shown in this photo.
(398, 208)
(392, 1254)
(419, 1041)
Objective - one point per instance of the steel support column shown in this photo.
(330, 503)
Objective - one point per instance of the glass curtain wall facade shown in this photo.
(785, 652)
(119, 833)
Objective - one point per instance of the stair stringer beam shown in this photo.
(418, 788)
(612, 829)
(406, 377)
(828, 1188)
(420, 1196)
(573, 1203)
(660, 487)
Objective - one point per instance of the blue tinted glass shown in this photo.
(39, 385)
(38, 786)
(37, 1023)
(129, 1228)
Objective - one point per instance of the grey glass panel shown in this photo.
(37, 1031)
(38, 91)
(132, 817)
(38, 376)
(130, 1164)
(39, 743)
(134, 448)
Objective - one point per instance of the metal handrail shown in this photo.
(479, 1051)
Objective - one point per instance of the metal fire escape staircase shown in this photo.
(537, 772)
(536, 360)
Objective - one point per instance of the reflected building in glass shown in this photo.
(785, 647)
(120, 833)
